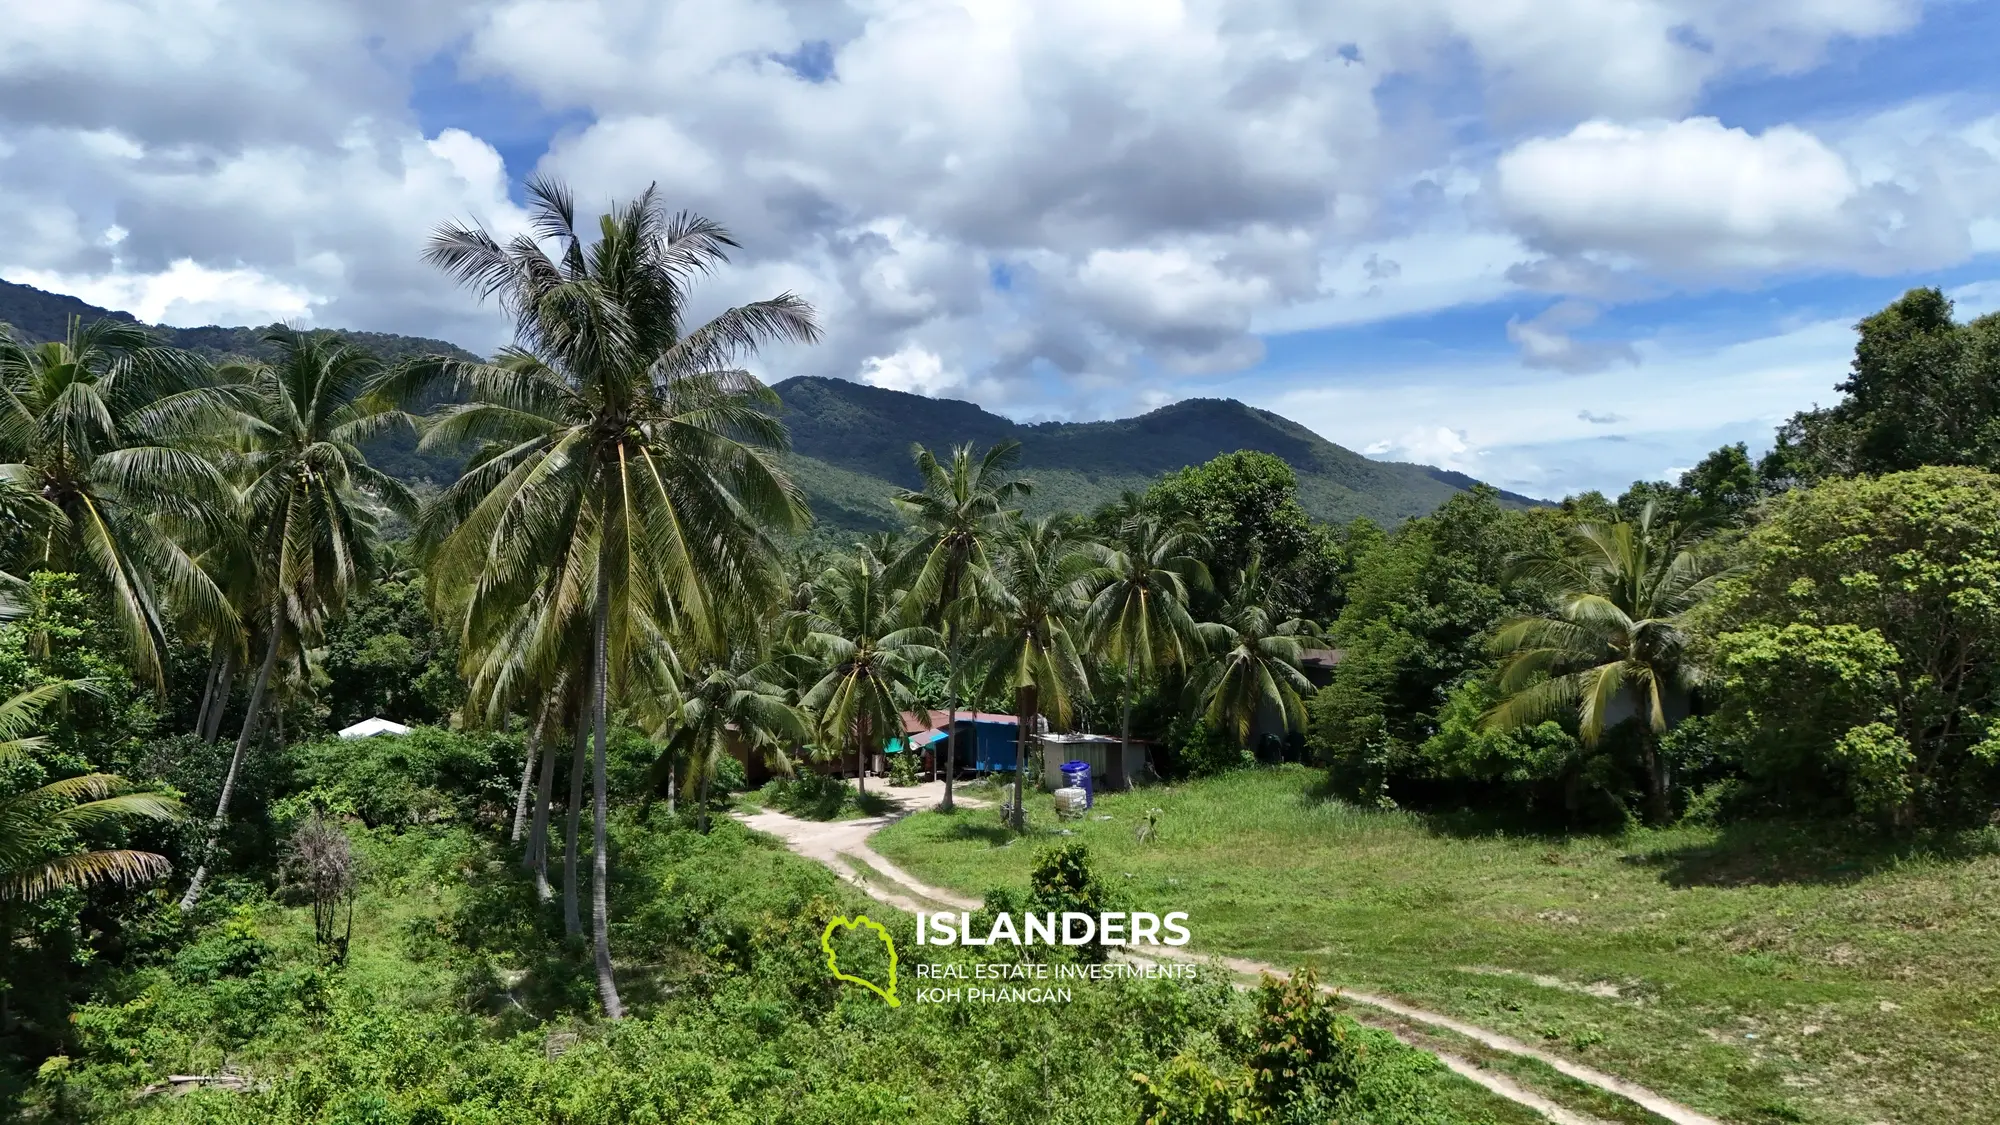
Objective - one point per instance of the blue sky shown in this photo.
(1558, 245)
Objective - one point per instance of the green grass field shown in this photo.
(1761, 973)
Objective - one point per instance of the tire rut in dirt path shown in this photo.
(840, 845)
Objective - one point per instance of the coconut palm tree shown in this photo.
(1039, 594)
(959, 517)
(720, 705)
(1253, 661)
(627, 464)
(312, 505)
(38, 828)
(101, 425)
(1138, 619)
(867, 658)
(1614, 644)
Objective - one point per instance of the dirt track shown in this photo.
(842, 845)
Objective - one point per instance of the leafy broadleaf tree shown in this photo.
(627, 463)
(104, 427)
(959, 518)
(1614, 644)
(311, 504)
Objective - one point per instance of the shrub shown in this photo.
(1200, 750)
(1063, 880)
(427, 775)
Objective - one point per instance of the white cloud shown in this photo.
(1696, 199)
(1547, 341)
(912, 369)
(185, 294)
(1059, 205)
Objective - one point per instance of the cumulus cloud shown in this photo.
(1070, 206)
(1696, 198)
(912, 369)
(1443, 446)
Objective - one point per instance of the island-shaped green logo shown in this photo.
(833, 959)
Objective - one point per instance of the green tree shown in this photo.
(1253, 661)
(1924, 389)
(104, 427)
(1244, 505)
(1614, 645)
(1138, 619)
(1421, 606)
(959, 517)
(623, 451)
(312, 503)
(866, 657)
(40, 828)
(720, 706)
(1858, 655)
(1040, 592)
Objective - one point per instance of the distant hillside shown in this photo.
(38, 316)
(850, 441)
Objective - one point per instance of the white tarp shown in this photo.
(369, 728)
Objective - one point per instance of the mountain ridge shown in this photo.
(851, 441)
(840, 423)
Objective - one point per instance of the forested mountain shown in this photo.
(848, 438)
(851, 442)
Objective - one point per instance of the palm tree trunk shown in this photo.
(1659, 802)
(572, 912)
(1024, 713)
(1125, 723)
(208, 687)
(600, 914)
(701, 798)
(861, 769)
(673, 786)
(950, 751)
(538, 833)
(250, 717)
(532, 742)
(223, 684)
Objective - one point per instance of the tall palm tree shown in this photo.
(724, 704)
(1253, 661)
(959, 516)
(1139, 618)
(1614, 644)
(312, 505)
(628, 464)
(38, 851)
(100, 425)
(1040, 592)
(867, 658)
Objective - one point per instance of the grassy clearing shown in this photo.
(1762, 973)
